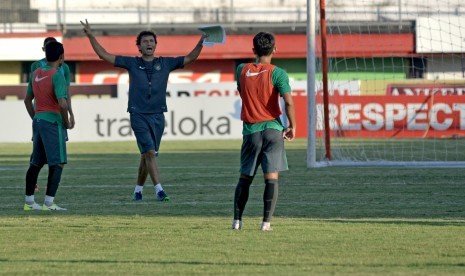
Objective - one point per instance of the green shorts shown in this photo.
(49, 143)
(265, 148)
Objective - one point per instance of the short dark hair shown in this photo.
(263, 44)
(145, 33)
(53, 51)
(49, 39)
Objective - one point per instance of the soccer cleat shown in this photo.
(137, 196)
(53, 207)
(237, 224)
(266, 226)
(162, 196)
(33, 206)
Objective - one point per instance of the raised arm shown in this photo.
(194, 54)
(98, 49)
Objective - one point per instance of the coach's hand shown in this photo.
(87, 30)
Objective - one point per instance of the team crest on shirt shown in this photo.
(158, 67)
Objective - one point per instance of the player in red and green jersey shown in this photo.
(50, 121)
(64, 70)
(260, 86)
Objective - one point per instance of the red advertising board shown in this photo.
(426, 89)
(388, 116)
(97, 72)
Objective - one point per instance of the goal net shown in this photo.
(396, 83)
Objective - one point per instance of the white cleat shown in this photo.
(33, 206)
(237, 224)
(53, 207)
(266, 227)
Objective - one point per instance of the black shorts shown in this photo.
(148, 129)
(265, 148)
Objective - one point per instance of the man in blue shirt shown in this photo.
(147, 98)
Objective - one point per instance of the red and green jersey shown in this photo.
(260, 87)
(63, 69)
(47, 85)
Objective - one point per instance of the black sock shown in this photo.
(31, 178)
(54, 177)
(270, 196)
(241, 196)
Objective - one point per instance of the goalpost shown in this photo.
(390, 83)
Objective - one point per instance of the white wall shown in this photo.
(192, 11)
(188, 118)
(164, 4)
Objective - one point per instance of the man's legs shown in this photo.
(250, 155)
(270, 196)
(37, 161)
(148, 130)
(273, 161)
(54, 178)
(148, 167)
(141, 178)
(31, 180)
(241, 196)
(152, 168)
(143, 173)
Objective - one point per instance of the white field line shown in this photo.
(154, 201)
(120, 186)
(68, 167)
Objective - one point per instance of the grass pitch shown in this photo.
(337, 220)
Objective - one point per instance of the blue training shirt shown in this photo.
(148, 81)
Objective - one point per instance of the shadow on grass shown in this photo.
(259, 264)
(202, 183)
(400, 221)
(151, 262)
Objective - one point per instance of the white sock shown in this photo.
(158, 188)
(49, 200)
(29, 199)
(138, 189)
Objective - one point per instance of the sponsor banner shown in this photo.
(195, 111)
(426, 89)
(18, 92)
(212, 111)
(186, 119)
(97, 72)
(107, 120)
(394, 117)
(202, 90)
